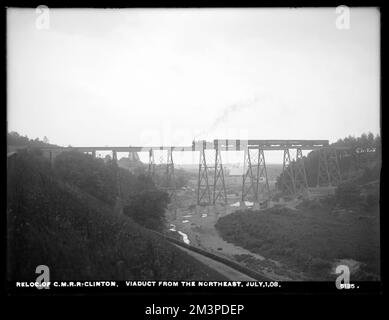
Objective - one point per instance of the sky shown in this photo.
(150, 77)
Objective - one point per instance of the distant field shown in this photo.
(311, 239)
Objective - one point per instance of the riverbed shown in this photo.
(196, 226)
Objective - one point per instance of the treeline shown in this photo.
(367, 142)
(15, 139)
(138, 168)
(362, 167)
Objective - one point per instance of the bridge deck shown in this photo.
(223, 145)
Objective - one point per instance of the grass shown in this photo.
(79, 238)
(309, 239)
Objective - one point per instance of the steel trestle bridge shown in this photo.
(211, 187)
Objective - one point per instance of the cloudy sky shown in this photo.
(167, 76)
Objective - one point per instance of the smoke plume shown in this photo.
(228, 111)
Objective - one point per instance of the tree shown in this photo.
(363, 142)
(148, 208)
(370, 140)
(348, 195)
(367, 142)
(89, 174)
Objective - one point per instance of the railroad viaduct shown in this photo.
(211, 187)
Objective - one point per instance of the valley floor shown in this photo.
(283, 243)
(196, 225)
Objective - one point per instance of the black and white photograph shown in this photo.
(204, 149)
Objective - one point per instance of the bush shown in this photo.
(91, 175)
(370, 173)
(148, 208)
(348, 195)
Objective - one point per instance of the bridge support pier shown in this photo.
(263, 189)
(300, 176)
(170, 178)
(114, 156)
(219, 187)
(288, 181)
(255, 184)
(249, 183)
(328, 168)
(203, 188)
(133, 156)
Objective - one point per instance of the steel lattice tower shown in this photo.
(114, 156)
(300, 177)
(249, 183)
(333, 167)
(263, 189)
(329, 171)
(169, 175)
(203, 188)
(133, 156)
(219, 187)
(350, 156)
(288, 174)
